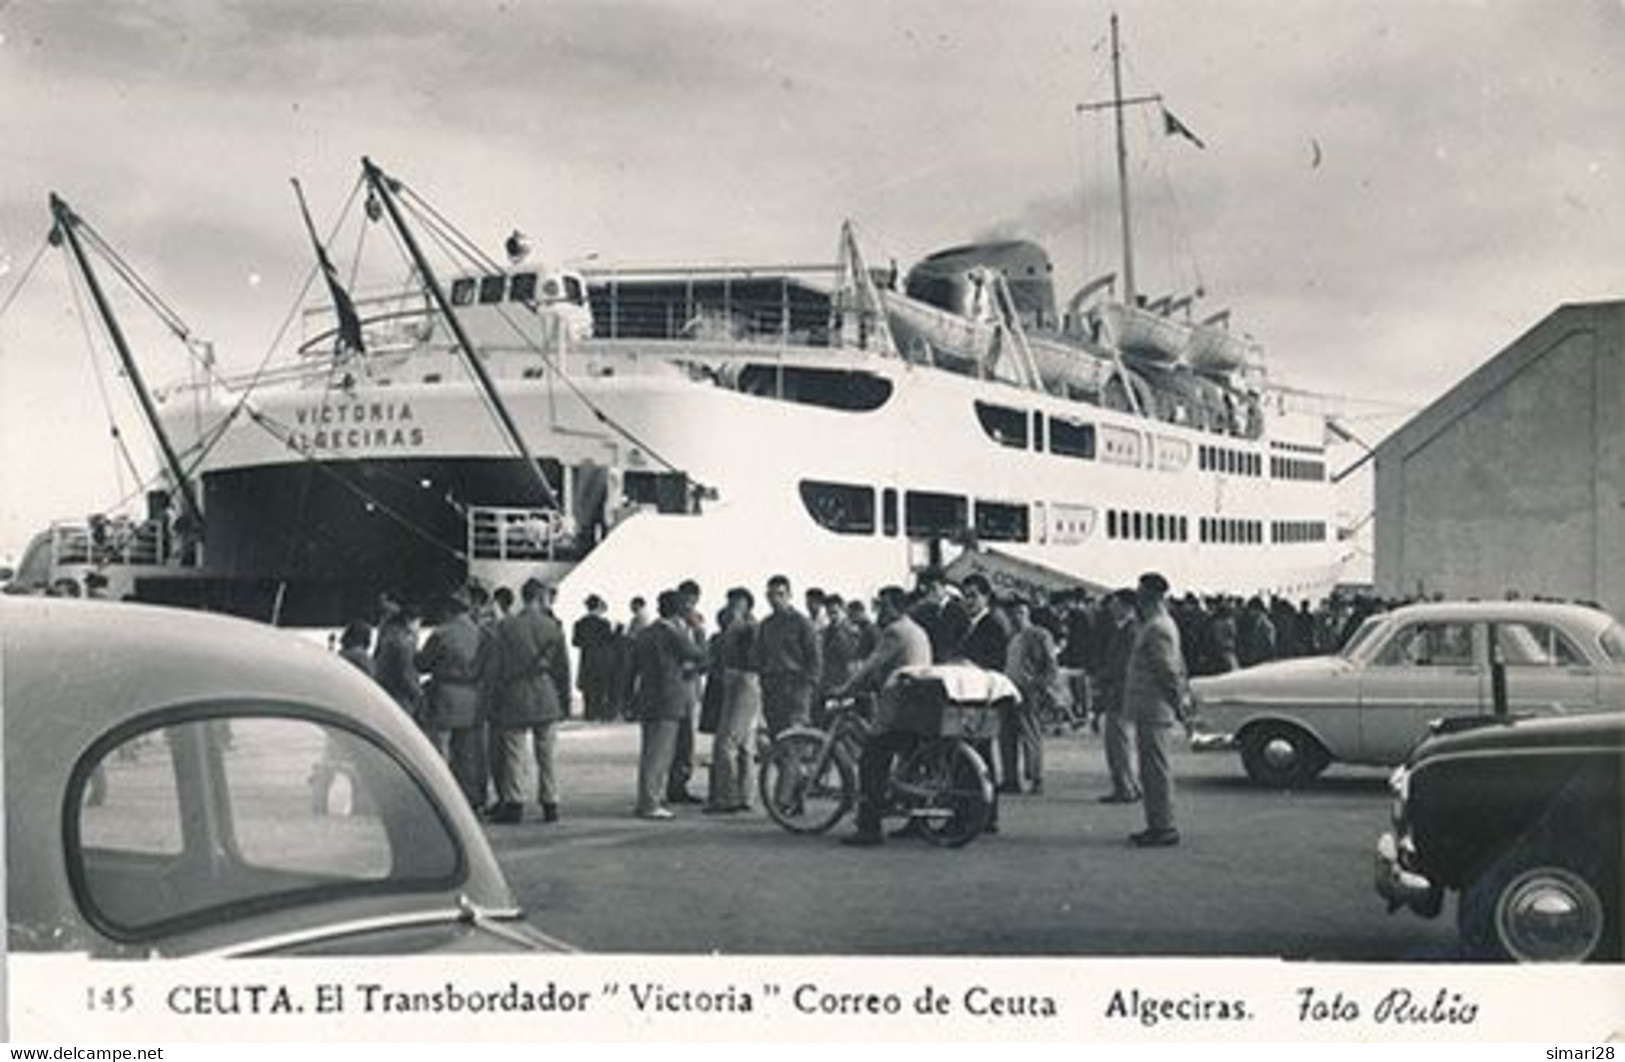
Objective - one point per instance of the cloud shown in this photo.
(1470, 178)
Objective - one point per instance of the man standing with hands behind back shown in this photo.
(1154, 700)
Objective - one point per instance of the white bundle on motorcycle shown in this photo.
(952, 700)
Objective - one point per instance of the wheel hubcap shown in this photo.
(1280, 752)
(1549, 915)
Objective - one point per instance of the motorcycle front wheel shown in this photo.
(805, 786)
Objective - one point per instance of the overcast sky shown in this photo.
(1471, 170)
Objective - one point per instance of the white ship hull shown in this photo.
(757, 453)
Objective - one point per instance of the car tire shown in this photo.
(1535, 905)
(1282, 756)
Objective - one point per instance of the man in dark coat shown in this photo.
(987, 631)
(662, 653)
(789, 658)
(1111, 672)
(986, 644)
(392, 656)
(595, 639)
(532, 692)
(941, 617)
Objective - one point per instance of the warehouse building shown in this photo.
(1514, 480)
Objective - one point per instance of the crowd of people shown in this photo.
(493, 680)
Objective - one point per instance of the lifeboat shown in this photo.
(1139, 333)
(1214, 350)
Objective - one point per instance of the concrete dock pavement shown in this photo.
(1260, 873)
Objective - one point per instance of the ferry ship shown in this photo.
(615, 431)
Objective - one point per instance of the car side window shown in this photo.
(1536, 645)
(1431, 644)
(299, 803)
(129, 803)
(198, 821)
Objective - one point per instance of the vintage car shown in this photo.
(1373, 701)
(1523, 818)
(183, 784)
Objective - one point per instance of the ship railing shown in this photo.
(514, 534)
(110, 542)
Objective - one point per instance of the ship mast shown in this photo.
(380, 185)
(1117, 104)
(67, 226)
(1122, 168)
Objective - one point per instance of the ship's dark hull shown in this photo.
(315, 543)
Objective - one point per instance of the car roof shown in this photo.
(1575, 617)
(160, 656)
(1598, 731)
(72, 669)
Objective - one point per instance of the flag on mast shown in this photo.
(1172, 126)
(349, 335)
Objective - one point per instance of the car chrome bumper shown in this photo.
(1402, 887)
(1212, 741)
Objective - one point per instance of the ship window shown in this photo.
(1137, 522)
(492, 288)
(462, 291)
(844, 508)
(1111, 523)
(522, 288)
(1004, 425)
(854, 392)
(1162, 528)
(573, 292)
(1001, 522)
(1071, 439)
(888, 511)
(668, 492)
(931, 515)
(1038, 431)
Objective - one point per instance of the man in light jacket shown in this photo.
(531, 698)
(1154, 699)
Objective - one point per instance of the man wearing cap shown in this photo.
(532, 695)
(1154, 699)
(451, 658)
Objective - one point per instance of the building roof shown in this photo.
(1606, 317)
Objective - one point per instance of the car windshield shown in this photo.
(1613, 643)
(205, 820)
(1351, 648)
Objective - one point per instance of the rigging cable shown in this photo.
(480, 258)
(294, 310)
(28, 271)
(119, 447)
